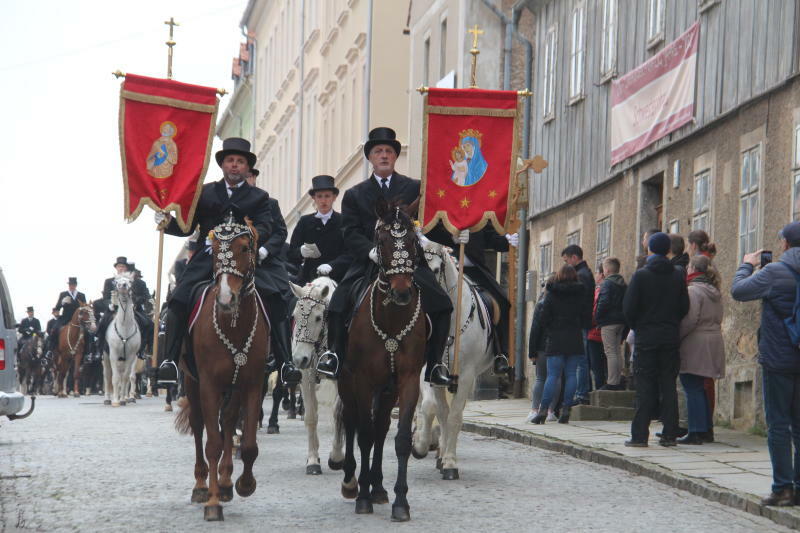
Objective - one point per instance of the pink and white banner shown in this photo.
(656, 98)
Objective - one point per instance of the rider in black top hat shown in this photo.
(68, 302)
(27, 327)
(358, 213)
(107, 306)
(317, 244)
(142, 308)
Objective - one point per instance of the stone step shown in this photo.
(612, 398)
(591, 412)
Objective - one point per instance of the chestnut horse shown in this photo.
(71, 340)
(385, 354)
(230, 342)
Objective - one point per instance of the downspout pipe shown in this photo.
(300, 102)
(368, 80)
(252, 77)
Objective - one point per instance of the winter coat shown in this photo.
(702, 346)
(655, 303)
(538, 335)
(564, 314)
(609, 303)
(594, 333)
(586, 277)
(776, 287)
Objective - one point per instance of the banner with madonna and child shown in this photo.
(470, 147)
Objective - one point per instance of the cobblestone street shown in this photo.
(76, 465)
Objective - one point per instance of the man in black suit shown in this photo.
(27, 327)
(68, 302)
(475, 268)
(121, 266)
(216, 200)
(358, 228)
(142, 308)
(317, 245)
(51, 324)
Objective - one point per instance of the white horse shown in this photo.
(123, 340)
(309, 340)
(475, 357)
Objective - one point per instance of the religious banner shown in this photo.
(470, 145)
(654, 99)
(166, 129)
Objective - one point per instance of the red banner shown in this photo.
(470, 145)
(166, 129)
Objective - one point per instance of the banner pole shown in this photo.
(457, 342)
(157, 306)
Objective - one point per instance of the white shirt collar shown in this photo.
(230, 187)
(324, 218)
(379, 180)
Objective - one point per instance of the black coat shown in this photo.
(538, 335)
(51, 324)
(330, 241)
(272, 279)
(586, 278)
(141, 295)
(655, 303)
(562, 318)
(26, 323)
(108, 288)
(68, 309)
(609, 302)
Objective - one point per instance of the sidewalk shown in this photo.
(735, 470)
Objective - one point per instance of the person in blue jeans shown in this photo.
(776, 286)
(573, 256)
(561, 321)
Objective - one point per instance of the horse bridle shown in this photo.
(124, 340)
(301, 325)
(402, 261)
(82, 325)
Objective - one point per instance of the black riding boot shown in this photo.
(176, 326)
(332, 360)
(102, 326)
(436, 373)
(280, 347)
(500, 365)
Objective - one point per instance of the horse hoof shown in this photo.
(292, 414)
(225, 493)
(131, 400)
(285, 404)
(114, 404)
(400, 513)
(213, 513)
(379, 497)
(106, 402)
(149, 394)
(449, 474)
(313, 470)
(416, 454)
(439, 464)
(363, 507)
(122, 403)
(199, 495)
(168, 408)
(76, 395)
(244, 490)
(350, 491)
(335, 465)
(273, 430)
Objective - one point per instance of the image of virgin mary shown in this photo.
(163, 155)
(476, 164)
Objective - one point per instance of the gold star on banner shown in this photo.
(465, 202)
(440, 193)
(492, 194)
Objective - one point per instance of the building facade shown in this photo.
(733, 171)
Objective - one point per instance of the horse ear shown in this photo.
(249, 224)
(297, 290)
(324, 292)
(381, 207)
(411, 209)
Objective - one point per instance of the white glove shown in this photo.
(463, 237)
(310, 251)
(160, 217)
(513, 239)
(66, 300)
(373, 254)
(262, 253)
(324, 269)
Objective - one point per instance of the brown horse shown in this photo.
(385, 354)
(230, 342)
(71, 340)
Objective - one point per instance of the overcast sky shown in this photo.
(61, 197)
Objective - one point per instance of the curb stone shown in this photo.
(696, 486)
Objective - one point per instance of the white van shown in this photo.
(11, 401)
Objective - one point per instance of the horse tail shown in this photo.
(183, 418)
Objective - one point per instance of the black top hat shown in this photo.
(131, 267)
(382, 136)
(255, 172)
(236, 145)
(322, 183)
(30, 309)
(72, 281)
(121, 260)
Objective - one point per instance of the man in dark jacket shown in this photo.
(776, 286)
(68, 302)
(677, 255)
(611, 321)
(654, 305)
(317, 244)
(27, 327)
(573, 256)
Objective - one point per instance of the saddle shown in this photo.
(491, 309)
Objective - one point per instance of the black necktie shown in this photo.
(385, 187)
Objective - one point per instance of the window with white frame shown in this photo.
(442, 48)
(548, 85)
(675, 226)
(574, 238)
(796, 196)
(426, 61)
(749, 200)
(545, 260)
(655, 21)
(603, 248)
(578, 52)
(796, 158)
(702, 195)
(608, 52)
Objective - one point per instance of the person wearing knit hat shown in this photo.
(654, 305)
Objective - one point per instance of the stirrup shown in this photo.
(502, 361)
(165, 365)
(327, 373)
(292, 369)
(453, 379)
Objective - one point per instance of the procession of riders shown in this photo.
(339, 245)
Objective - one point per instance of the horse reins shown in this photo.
(301, 326)
(135, 329)
(80, 325)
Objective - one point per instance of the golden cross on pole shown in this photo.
(171, 23)
(475, 31)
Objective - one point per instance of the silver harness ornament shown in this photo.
(392, 343)
(301, 326)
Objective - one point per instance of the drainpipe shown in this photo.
(368, 80)
(252, 83)
(301, 93)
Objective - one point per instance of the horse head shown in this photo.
(310, 335)
(233, 246)
(123, 283)
(86, 317)
(441, 264)
(398, 250)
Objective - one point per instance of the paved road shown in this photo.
(77, 465)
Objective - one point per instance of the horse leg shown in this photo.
(277, 394)
(382, 421)
(421, 437)
(453, 426)
(200, 490)
(308, 389)
(210, 399)
(246, 483)
(366, 436)
(133, 389)
(442, 415)
(108, 387)
(292, 411)
(229, 418)
(76, 372)
(346, 417)
(336, 457)
(409, 394)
